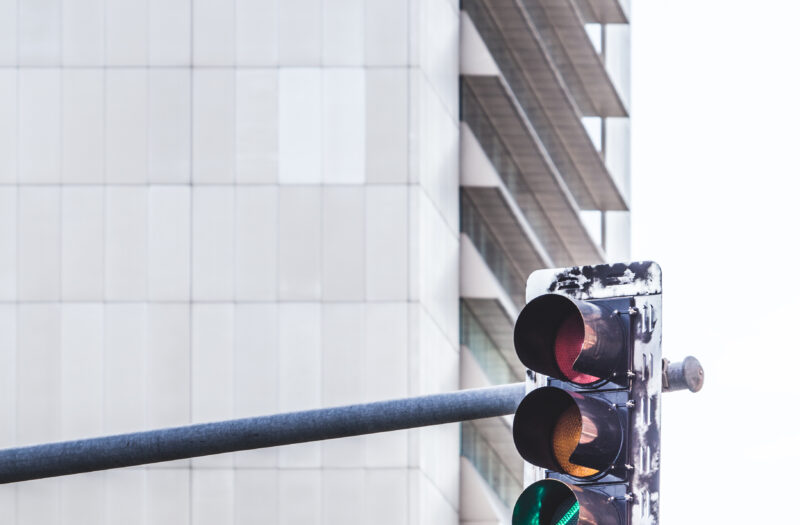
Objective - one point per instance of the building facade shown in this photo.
(213, 209)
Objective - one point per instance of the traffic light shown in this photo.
(590, 424)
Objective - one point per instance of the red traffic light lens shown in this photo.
(568, 345)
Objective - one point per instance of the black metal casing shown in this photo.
(626, 397)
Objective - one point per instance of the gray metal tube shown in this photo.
(154, 446)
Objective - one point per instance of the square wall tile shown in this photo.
(126, 33)
(300, 32)
(256, 240)
(343, 141)
(300, 494)
(38, 373)
(8, 503)
(213, 32)
(213, 125)
(168, 243)
(169, 126)
(299, 243)
(82, 499)
(212, 370)
(213, 243)
(38, 502)
(167, 497)
(387, 124)
(387, 243)
(125, 340)
(168, 365)
(212, 497)
(299, 125)
(81, 370)
(8, 32)
(8, 376)
(170, 32)
(9, 111)
(386, 37)
(343, 243)
(126, 125)
(255, 496)
(39, 32)
(83, 32)
(39, 125)
(343, 32)
(126, 232)
(256, 32)
(39, 243)
(82, 249)
(257, 126)
(8, 243)
(386, 496)
(82, 125)
(343, 497)
(125, 496)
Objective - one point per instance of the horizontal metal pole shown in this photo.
(154, 446)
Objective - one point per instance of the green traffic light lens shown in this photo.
(546, 502)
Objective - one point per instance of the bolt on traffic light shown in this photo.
(591, 339)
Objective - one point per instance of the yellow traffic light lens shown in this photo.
(566, 436)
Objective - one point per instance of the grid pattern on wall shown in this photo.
(214, 209)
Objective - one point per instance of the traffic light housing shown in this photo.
(590, 424)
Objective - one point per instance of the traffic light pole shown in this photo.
(154, 446)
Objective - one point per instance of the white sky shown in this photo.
(716, 162)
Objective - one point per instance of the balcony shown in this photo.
(516, 156)
(543, 97)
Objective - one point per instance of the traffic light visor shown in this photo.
(568, 339)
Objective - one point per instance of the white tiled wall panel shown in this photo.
(126, 126)
(82, 126)
(299, 126)
(213, 125)
(8, 243)
(8, 32)
(300, 32)
(126, 32)
(169, 116)
(8, 375)
(214, 26)
(9, 109)
(126, 243)
(343, 32)
(213, 243)
(212, 209)
(39, 243)
(125, 496)
(170, 32)
(343, 124)
(39, 32)
(82, 243)
(38, 126)
(257, 126)
(256, 243)
(257, 32)
(169, 243)
(83, 32)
